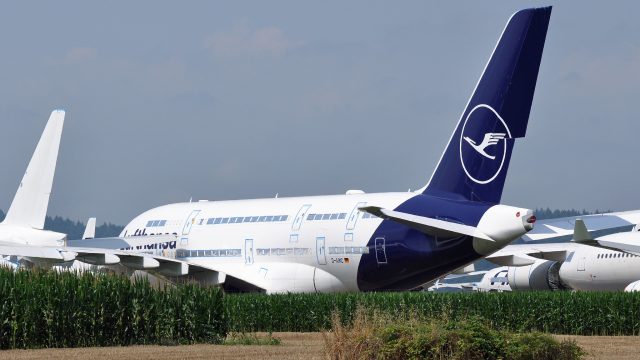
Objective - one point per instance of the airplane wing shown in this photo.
(142, 253)
(561, 229)
(527, 254)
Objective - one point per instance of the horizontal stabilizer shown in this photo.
(429, 226)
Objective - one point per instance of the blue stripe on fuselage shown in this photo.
(412, 257)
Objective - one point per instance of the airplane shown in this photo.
(493, 280)
(610, 262)
(382, 241)
(23, 241)
(24, 221)
(357, 241)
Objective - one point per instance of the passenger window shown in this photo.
(217, 221)
(225, 220)
(326, 216)
(150, 223)
(342, 216)
(261, 219)
(334, 216)
(311, 216)
(284, 217)
(269, 219)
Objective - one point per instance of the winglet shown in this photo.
(29, 206)
(90, 229)
(580, 232)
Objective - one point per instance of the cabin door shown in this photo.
(321, 255)
(186, 229)
(248, 251)
(381, 251)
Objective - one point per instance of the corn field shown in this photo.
(46, 309)
(578, 313)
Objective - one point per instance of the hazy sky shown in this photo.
(226, 100)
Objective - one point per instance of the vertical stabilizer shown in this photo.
(29, 206)
(474, 164)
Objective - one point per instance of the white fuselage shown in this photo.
(301, 244)
(592, 268)
(586, 268)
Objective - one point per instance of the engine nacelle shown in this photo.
(541, 275)
(633, 287)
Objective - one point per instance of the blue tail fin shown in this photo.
(474, 164)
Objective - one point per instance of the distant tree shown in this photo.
(552, 214)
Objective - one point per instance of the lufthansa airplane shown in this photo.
(384, 241)
(358, 241)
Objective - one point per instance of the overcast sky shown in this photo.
(228, 100)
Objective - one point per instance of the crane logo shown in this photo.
(489, 139)
(483, 145)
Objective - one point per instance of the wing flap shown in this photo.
(522, 255)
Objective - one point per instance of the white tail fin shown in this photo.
(90, 229)
(29, 206)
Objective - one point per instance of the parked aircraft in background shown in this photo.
(591, 263)
(24, 242)
(24, 222)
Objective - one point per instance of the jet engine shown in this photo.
(541, 275)
(633, 287)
